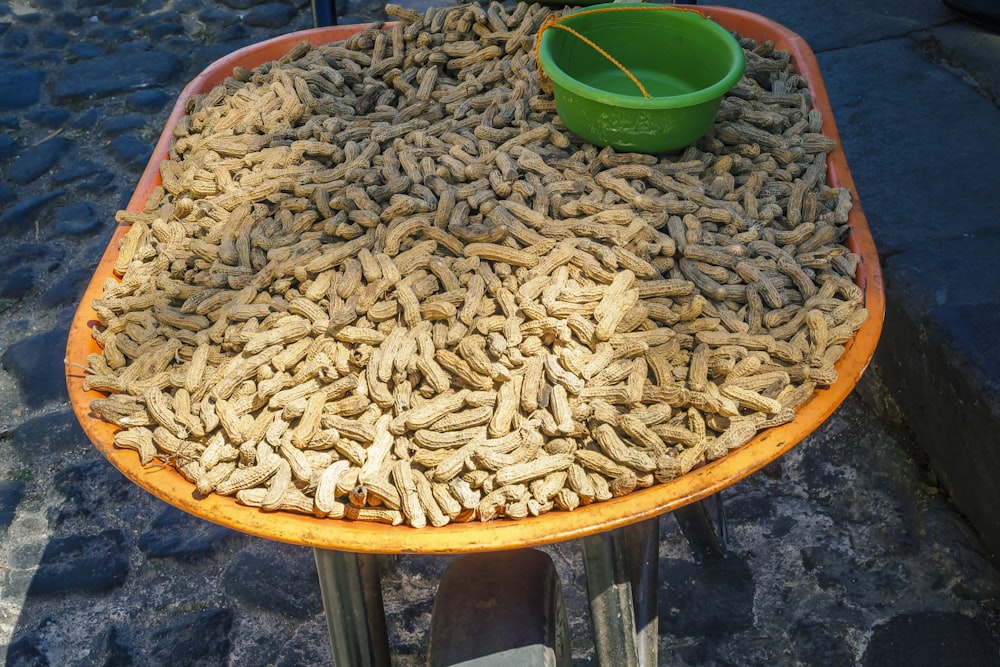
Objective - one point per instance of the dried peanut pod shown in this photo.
(128, 246)
(309, 421)
(436, 514)
(276, 487)
(463, 419)
(288, 331)
(161, 411)
(375, 514)
(501, 253)
(464, 493)
(139, 439)
(624, 484)
(412, 508)
(615, 447)
(530, 470)
(557, 374)
(435, 409)
(770, 381)
(598, 462)
(251, 497)
(445, 499)
(511, 449)
(751, 399)
(518, 509)
(492, 505)
(245, 478)
(506, 406)
(642, 434)
(561, 409)
(452, 465)
(581, 483)
(738, 434)
(567, 499)
(297, 460)
(818, 335)
(219, 450)
(325, 496)
(472, 349)
(543, 489)
(433, 440)
(461, 370)
(375, 466)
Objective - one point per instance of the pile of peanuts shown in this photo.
(381, 281)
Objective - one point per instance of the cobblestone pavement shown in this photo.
(844, 552)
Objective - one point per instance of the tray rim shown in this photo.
(555, 526)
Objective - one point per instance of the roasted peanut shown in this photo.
(381, 282)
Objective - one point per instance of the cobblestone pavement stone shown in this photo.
(845, 552)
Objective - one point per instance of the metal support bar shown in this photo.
(352, 599)
(704, 525)
(370, 567)
(610, 594)
(324, 13)
(642, 541)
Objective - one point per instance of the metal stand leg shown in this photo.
(704, 525)
(352, 600)
(324, 13)
(610, 593)
(643, 543)
(371, 587)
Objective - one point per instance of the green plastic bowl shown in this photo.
(685, 61)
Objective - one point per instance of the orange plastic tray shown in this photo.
(555, 526)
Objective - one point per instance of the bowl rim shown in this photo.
(561, 78)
